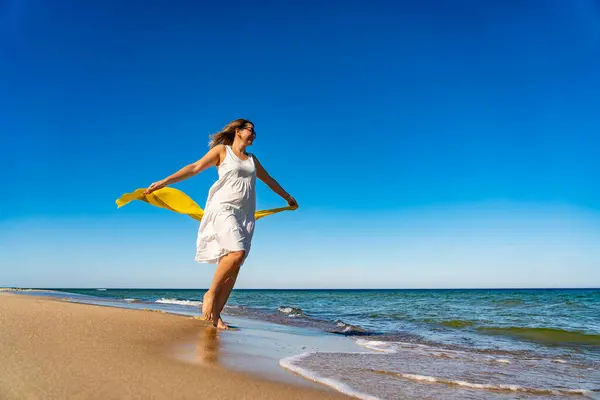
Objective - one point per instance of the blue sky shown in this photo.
(429, 144)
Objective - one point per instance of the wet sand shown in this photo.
(52, 349)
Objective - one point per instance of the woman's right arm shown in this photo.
(212, 157)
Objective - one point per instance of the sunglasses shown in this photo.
(251, 130)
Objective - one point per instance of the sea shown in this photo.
(423, 344)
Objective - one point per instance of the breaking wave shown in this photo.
(291, 311)
(192, 303)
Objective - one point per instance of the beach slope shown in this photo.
(52, 349)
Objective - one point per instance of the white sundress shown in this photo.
(228, 221)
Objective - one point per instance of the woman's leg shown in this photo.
(222, 284)
(223, 296)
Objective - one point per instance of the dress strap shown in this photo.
(230, 154)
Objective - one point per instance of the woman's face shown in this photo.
(247, 134)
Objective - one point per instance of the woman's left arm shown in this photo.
(264, 176)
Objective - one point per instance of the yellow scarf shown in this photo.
(175, 200)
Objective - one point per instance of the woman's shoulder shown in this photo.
(221, 151)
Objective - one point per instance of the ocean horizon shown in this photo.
(304, 289)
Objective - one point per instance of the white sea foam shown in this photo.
(291, 311)
(377, 345)
(289, 363)
(418, 348)
(180, 302)
(488, 386)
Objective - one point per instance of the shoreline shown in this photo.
(258, 348)
(62, 349)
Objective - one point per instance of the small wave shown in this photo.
(454, 323)
(347, 329)
(131, 300)
(289, 363)
(572, 304)
(291, 311)
(378, 345)
(395, 347)
(180, 302)
(545, 335)
(509, 302)
(457, 323)
(395, 315)
(485, 386)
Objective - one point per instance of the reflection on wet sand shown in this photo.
(207, 349)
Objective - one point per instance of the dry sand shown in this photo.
(50, 349)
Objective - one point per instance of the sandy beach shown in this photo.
(58, 350)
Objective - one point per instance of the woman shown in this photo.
(226, 229)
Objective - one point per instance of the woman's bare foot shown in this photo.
(207, 305)
(221, 324)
